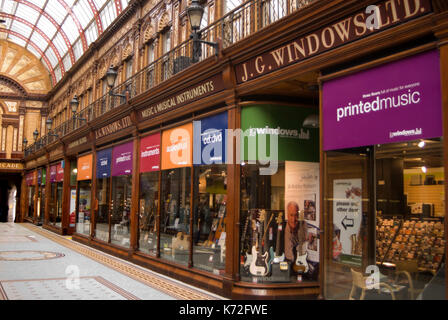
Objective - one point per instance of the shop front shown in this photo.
(82, 196)
(384, 181)
(55, 196)
(41, 185)
(31, 196)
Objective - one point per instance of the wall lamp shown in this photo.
(74, 103)
(111, 75)
(194, 13)
(35, 136)
(49, 123)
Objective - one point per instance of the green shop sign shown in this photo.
(263, 125)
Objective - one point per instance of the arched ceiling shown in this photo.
(57, 32)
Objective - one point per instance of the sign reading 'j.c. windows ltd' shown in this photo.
(395, 102)
(354, 27)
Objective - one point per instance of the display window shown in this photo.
(41, 181)
(279, 234)
(384, 193)
(55, 202)
(84, 185)
(175, 236)
(120, 208)
(103, 192)
(149, 192)
(210, 193)
(30, 181)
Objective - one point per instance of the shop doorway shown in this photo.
(9, 195)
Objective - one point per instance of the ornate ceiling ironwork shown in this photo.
(57, 32)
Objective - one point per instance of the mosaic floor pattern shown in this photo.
(147, 277)
(85, 288)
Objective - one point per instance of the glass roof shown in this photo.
(58, 32)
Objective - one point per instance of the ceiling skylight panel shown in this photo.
(91, 33)
(30, 48)
(17, 40)
(77, 49)
(39, 41)
(56, 10)
(100, 3)
(108, 14)
(27, 13)
(45, 25)
(70, 29)
(124, 4)
(9, 6)
(60, 44)
(21, 28)
(58, 74)
(83, 12)
(51, 57)
(67, 62)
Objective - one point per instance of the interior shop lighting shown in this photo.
(424, 169)
(421, 144)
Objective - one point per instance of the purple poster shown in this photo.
(394, 102)
(122, 159)
(53, 172)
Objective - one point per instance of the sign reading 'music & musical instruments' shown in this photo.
(201, 90)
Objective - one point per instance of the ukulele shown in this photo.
(259, 264)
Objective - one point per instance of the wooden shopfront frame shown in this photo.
(231, 95)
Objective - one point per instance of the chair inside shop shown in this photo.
(407, 272)
(360, 282)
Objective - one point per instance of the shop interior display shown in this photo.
(402, 239)
(262, 250)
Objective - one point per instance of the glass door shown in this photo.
(349, 217)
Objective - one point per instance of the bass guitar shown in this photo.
(301, 263)
(259, 264)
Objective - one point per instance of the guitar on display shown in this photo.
(275, 256)
(259, 263)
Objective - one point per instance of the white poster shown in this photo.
(347, 218)
(302, 189)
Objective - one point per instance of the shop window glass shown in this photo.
(59, 204)
(209, 228)
(175, 215)
(149, 203)
(31, 191)
(83, 213)
(400, 237)
(52, 206)
(121, 210)
(102, 216)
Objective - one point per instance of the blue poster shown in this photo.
(209, 140)
(103, 163)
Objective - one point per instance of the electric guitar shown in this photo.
(259, 264)
(301, 264)
(243, 242)
(275, 256)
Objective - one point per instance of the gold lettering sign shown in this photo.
(355, 27)
(77, 142)
(113, 127)
(193, 93)
(11, 165)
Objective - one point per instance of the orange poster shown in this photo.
(177, 147)
(85, 167)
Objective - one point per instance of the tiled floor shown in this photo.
(37, 264)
